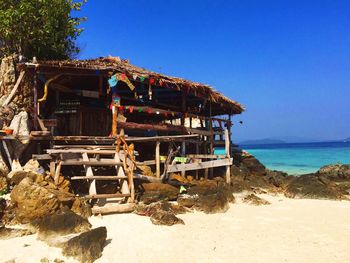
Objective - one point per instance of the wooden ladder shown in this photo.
(124, 166)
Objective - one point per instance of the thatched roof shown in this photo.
(115, 64)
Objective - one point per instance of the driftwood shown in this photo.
(118, 208)
(15, 88)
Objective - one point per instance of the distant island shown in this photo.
(261, 141)
(347, 140)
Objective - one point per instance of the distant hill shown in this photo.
(347, 140)
(262, 141)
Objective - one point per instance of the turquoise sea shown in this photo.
(300, 158)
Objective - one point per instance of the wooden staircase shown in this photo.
(91, 159)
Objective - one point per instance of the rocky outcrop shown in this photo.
(62, 222)
(335, 171)
(86, 247)
(314, 187)
(154, 192)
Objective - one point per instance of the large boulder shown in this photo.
(62, 222)
(207, 196)
(313, 187)
(33, 201)
(153, 192)
(86, 247)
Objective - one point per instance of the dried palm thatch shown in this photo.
(115, 64)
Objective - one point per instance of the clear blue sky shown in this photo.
(288, 62)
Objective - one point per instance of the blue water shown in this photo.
(300, 158)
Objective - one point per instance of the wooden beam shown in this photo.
(98, 196)
(195, 166)
(206, 156)
(99, 177)
(157, 159)
(92, 162)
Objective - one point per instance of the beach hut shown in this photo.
(109, 113)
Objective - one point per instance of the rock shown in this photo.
(17, 176)
(314, 187)
(252, 164)
(165, 218)
(7, 233)
(335, 171)
(149, 210)
(214, 203)
(20, 125)
(153, 192)
(3, 205)
(86, 247)
(32, 201)
(81, 207)
(277, 178)
(255, 200)
(208, 197)
(3, 185)
(63, 222)
(32, 165)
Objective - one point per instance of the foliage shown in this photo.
(41, 28)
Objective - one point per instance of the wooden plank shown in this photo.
(195, 166)
(157, 160)
(97, 196)
(206, 156)
(92, 162)
(14, 90)
(99, 177)
(102, 152)
(57, 172)
(89, 173)
(41, 156)
(121, 172)
(52, 169)
(147, 178)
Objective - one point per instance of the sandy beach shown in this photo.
(288, 230)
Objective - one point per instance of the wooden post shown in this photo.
(36, 103)
(183, 153)
(57, 172)
(158, 159)
(211, 137)
(197, 152)
(114, 120)
(228, 155)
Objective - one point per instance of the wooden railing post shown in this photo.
(228, 155)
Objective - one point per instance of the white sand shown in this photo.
(287, 231)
